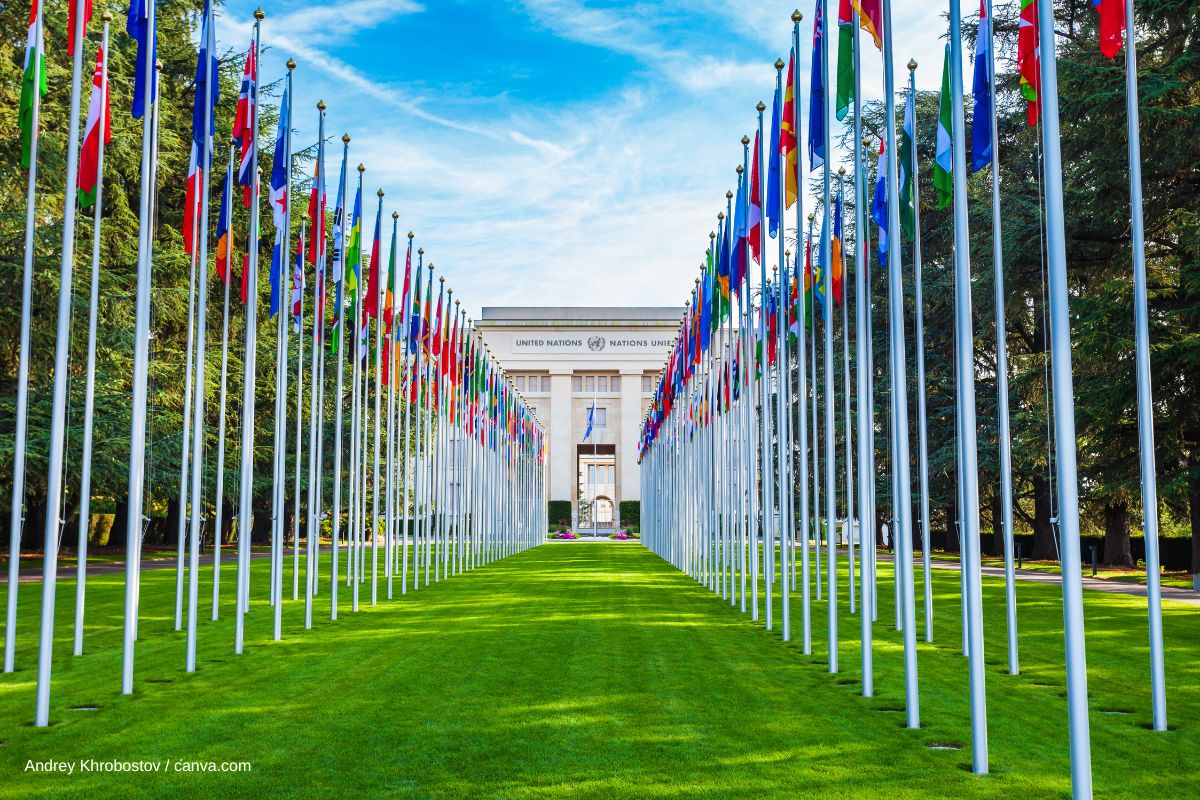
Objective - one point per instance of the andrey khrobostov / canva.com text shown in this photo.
(113, 765)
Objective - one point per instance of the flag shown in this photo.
(389, 312)
(773, 168)
(138, 27)
(819, 274)
(1112, 25)
(981, 89)
(738, 266)
(316, 215)
(245, 124)
(788, 143)
(33, 82)
(591, 418)
(354, 248)
(870, 19)
(87, 17)
(208, 87)
(191, 201)
(816, 97)
(256, 242)
(845, 62)
(943, 160)
(836, 248)
(89, 156)
(809, 278)
(908, 214)
(224, 255)
(1028, 61)
(298, 283)
(279, 169)
(276, 275)
(879, 209)
(754, 222)
(723, 266)
(371, 301)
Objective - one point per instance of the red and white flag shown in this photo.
(89, 156)
(191, 201)
(245, 123)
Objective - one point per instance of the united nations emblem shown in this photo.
(596, 344)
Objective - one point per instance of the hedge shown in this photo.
(558, 512)
(630, 511)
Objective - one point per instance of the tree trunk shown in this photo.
(1117, 551)
(1044, 547)
(952, 541)
(997, 521)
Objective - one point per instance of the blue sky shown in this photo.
(557, 152)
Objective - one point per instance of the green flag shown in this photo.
(908, 167)
(943, 163)
(845, 62)
(33, 83)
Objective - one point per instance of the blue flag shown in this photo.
(207, 86)
(981, 88)
(816, 96)
(879, 207)
(739, 266)
(773, 171)
(276, 269)
(138, 27)
(819, 272)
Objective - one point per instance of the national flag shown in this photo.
(738, 266)
(879, 209)
(33, 81)
(316, 214)
(809, 277)
(908, 199)
(819, 274)
(943, 160)
(298, 282)
(354, 248)
(789, 145)
(208, 87)
(191, 200)
(723, 265)
(256, 242)
(587, 434)
(870, 19)
(245, 124)
(816, 96)
(845, 62)
(836, 248)
(426, 316)
(1028, 60)
(280, 169)
(1112, 25)
(435, 342)
(138, 26)
(773, 169)
(276, 276)
(389, 310)
(224, 240)
(754, 221)
(795, 311)
(981, 90)
(87, 17)
(371, 301)
(89, 155)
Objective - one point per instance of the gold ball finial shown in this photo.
(797, 16)
(455, 302)
(395, 215)
(321, 105)
(421, 252)
(787, 253)
(260, 172)
(158, 64)
(745, 140)
(761, 107)
(866, 141)
(912, 65)
(379, 193)
(291, 64)
(841, 170)
(738, 169)
(345, 138)
(728, 195)
(779, 63)
(106, 16)
(441, 278)
(411, 235)
(720, 216)
(811, 216)
(259, 14)
(711, 235)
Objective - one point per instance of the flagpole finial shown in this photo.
(866, 142)
(441, 278)
(779, 65)
(259, 14)
(811, 216)
(379, 193)
(395, 215)
(738, 169)
(158, 64)
(797, 16)
(728, 196)
(345, 138)
(720, 216)
(745, 140)
(421, 252)
(787, 253)
(711, 235)
(912, 65)
(841, 170)
(291, 64)
(106, 16)
(411, 235)
(761, 107)
(320, 105)
(361, 169)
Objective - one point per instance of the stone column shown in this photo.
(628, 486)
(561, 461)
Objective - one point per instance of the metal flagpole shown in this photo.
(847, 431)
(314, 408)
(391, 408)
(141, 357)
(339, 399)
(299, 409)
(827, 277)
(58, 413)
(218, 517)
(903, 500)
(765, 460)
(204, 160)
(1141, 330)
(375, 421)
(918, 301)
(862, 300)
(965, 353)
(246, 503)
(1064, 414)
(185, 432)
(85, 480)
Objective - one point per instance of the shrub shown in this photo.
(558, 512)
(630, 511)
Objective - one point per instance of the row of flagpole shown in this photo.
(712, 484)
(462, 481)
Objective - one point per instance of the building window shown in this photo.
(590, 383)
(603, 387)
(601, 421)
(646, 386)
(520, 383)
(577, 383)
(545, 383)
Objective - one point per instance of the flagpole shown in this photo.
(407, 527)
(141, 355)
(391, 411)
(903, 502)
(185, 428)
(847, 432)
(339, 401)
(218, 518)
(85, 480)
(299, 404)
(375, 447)
(204, 163)
(315, 410)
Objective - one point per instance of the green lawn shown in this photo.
(588, 670)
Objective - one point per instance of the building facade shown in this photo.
(566, 362)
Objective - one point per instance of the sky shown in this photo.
(551, 152)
